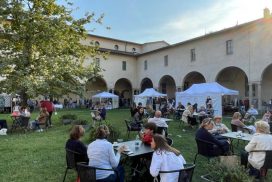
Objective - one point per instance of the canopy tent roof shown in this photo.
(150, 92)
(105, 95)
(209, 88)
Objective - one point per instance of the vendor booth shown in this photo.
(111, 100)
(198, 93)
(146, 96)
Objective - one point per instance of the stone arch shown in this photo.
(95, 85)
(123, 88)
(192, 78)
(146, 83)
(167, 86)
(234, 78)
(266, 83)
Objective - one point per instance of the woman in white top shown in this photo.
(165, 158)
(261, 140)
(187, 116)
(101, 155)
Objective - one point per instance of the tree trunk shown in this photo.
(24, 98)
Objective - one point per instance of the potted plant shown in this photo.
(82, 122)
(220, 172)
(67, 118)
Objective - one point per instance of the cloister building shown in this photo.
(238, 57)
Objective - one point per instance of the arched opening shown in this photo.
(146, 83)
(167, 86)
(192, 78)
(234, 78)
(123, 88)
(267, 84)
(94, 86)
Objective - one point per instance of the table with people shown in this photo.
(20, 117)
(102, 154)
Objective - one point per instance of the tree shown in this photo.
(41, 49)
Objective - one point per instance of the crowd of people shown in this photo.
(22, 115)
(154, 131)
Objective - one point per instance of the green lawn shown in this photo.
(39, 157)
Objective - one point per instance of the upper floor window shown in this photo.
(193, 55)
(116, 47)
(97, 43)
(229, 47)
(133, 49)
(124, 65)
(166, 60)
(145, 65)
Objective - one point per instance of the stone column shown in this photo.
(259, 84)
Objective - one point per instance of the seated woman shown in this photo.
(24, 112)
(76, 145)
(16, 111)
(187, 116)
(179, 110)
(137, 119)
(218, 126)
(101, 154)
(165, 158)
(261, 140)
(267, 116)
(237, 120)
(41, 119)
(204, 134)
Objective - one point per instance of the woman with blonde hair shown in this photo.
(101, 155)
(204, 134)
(74, 143)
(165, 158)
(261, 140)
(237, 121)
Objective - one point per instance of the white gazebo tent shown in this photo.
(147, 93)
(198, 93)
(106, 95)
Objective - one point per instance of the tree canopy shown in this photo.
(41, 50)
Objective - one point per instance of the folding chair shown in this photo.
(129, 128)
(185, 175)
(87, 173)
(71, 161)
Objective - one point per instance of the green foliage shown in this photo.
(114, 133)
(80, 122)
(41, 48)
(68, 116)
(219, 172)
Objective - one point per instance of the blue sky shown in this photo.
(172, 20)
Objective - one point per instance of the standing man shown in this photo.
(50, 108)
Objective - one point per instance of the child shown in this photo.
(147, 135)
